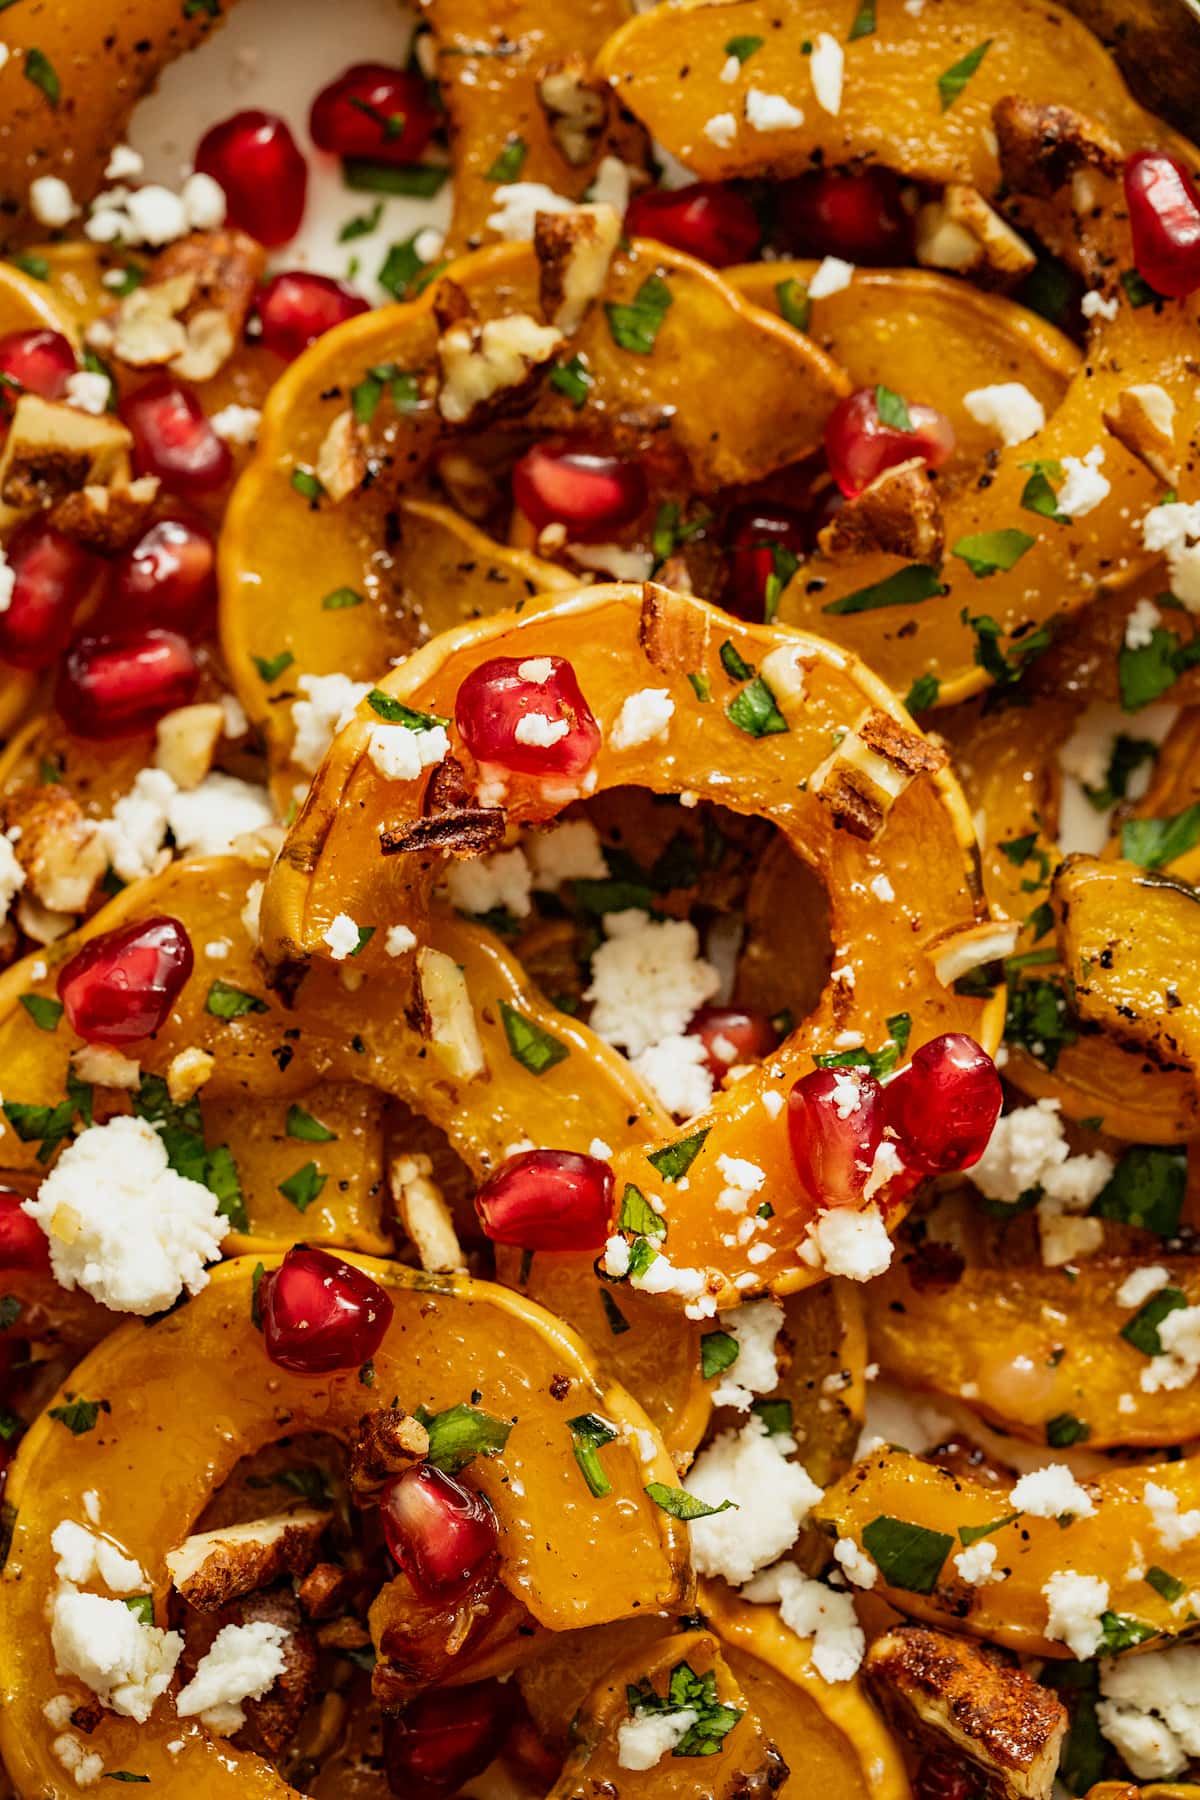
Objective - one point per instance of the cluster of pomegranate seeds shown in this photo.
(528, 715)
(548, 1200)
(173, 439)
(860, 218)
(253, 157)
(443, 1535)
(121, 985)
(295, 309)
(119, 685)
(708, 219)
(860, 443)
(168, 578)
(51, 575)
(589, 493)
(376, 112)
(34, 362)
(320, 1314)
(23, 1243)
(1164, 222)
(445, 1737)
(763, 537)
(732, 1035)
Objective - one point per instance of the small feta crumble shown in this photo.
(12, 876)
(203, 200)
(1171, 531)
(237, 424)
(648, 979)
(243, 1662)
(886, 1164)
(677, 1074)
(616, 1257)
(882, 888)
(721, 130)
(743, 1180)
(1009, 409)
(1084, 487)
(537, 669)
(85, 1556)
(1174, 1529)
(84, 1766)
(1095, 306)
(478, 884)
(1027, 1149)
(88, 391)
(832, 275)
(977, 1564)
(854, 1563)
(518, 204)
(124, 164)
(329, 700)
(399, 940)
(644, 717)
(774, 1102)
(828, 66)
(643, 1741)
(755, 1327)
(1141, 625)
(771, 112)
(616, 560)
(155, 215)
(851, 1243)
(1051, 1492)
(429, 243)
(731, 68)
(400, 754)
(1150, 1709)
(121, 1224)
(207, 820)
(341, 936)
(537, 729)
(771, 1496)
(1179, 1335)
(1138, 1286)
(133, 837)
(52, 202)
(126, 1664)
(662, 1277)
(571, 852)
(1075, 1605)
(815, 1611)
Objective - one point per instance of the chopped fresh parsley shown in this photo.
(923, 693)
(971, 1534)
(743, 47)
(574, 379)
(1153, 842)
(78, 1415)
(181, 1132)
(36, 267)
(776, 1415)
(754, 710)
(270, 668)
(42, 73)
(953, 80)
(1169, 1586)
(793, 301)
(687, 1691)
(1127, 756)
(734, 663)
(303, 1187)
(637, 1216)
(892, 409)
(864, 21)
(340, 598)
(1005, 669)
(1064, 1429)
(701, 685)
(361, 225)
(509, 162)
(589, 1433)
(1145, 673)
(986, 552)
(534, 1048)
(256, 1278)
(403, 273)
(907, 587)
(909, 1556)
(44, 1011)
(419, 180)
(366, 394)
(682, 1505)
(879, 1062)
(307, 485)
(142, 1608)
(462, 1433)
(301, 1124)
(1142, 1330)
(1138, 291)
(1040, 1019)
(674, 1160)
(784, 563)
(395, 713)
(1122, 1633)
(224, 1001)
(718, 1351)
(635, 324)
(1146, 1189)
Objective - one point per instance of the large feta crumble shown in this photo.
(479, 884)
(771, 1496)
(643, 718)
(84, 1556)
(855, 1244)
(1074, 1608)
(755, 1328)
(1150, 1710)
(329, 700)
(1173, 530)
(1051, 1492)
(126, 1664)
(815, 1611)
(1009, 408)
(243, 1662)
(648, 979)
(644, 1740)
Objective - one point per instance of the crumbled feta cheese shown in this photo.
(477, 884)
(977, 1564)
(1027, 1149)
(399, 940)
(643, 717)
(1139, 1284)
(1150, 1710)
(250, 911)
(1075, 1604)
(1141, 625)
(85, 1556)
(203, 201)
(855, 1564)
(88, 391)
(771, 112)
(1095, 306)
(329, 700)
(51, 202)
(1049, 1493)
(85, 1766)
(571, 852)
(744, 1179)
(209, 819)
(832, 275)
(828, 65)
(342, 937)
(677, 1074)
(611, 184)
(124, 1226)
(1179, 1335)
(518, 204)
(1171, 531)
(886, 1164)
(756, 1327)
(124, 164)
(815, 1611)
(1174, 1529)
(1084, 487)
(612, 559)
(400, 754)
(731, 68)
(237, 424)
(537, 729)
(721, 130)
(243, 1662)
(155, 215)
(853, 1243)
(126, 1664)
(643, 1741)
(1009, 408)
(133, 837)
(662, 1277)
(648, 979)
(616, 1257)
(774, 1102)
(882, 888)
(771, 1496)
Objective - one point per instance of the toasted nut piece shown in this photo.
(146, 330)
(387, 1441)
(1143, 419)
(210, 344)
(107, 519)
(191, 313)
(326, 1589)
(188, 1072)
(105, 1067)
(898, 513)
(61, 852)
(341, 460)
(187, 740)
(52, 450)
(575, 106)
(482, 362)
(343, 1634)
(869, 770)
(473, 489)
(211, 1568)
(573, 250)
(271, 1722)
(445, 1015)
(963, 233)
(1042, 147)
(933, 1686)
(955, 953)
(423, 1213)
(40, 923)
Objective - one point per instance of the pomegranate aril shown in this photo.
(168, 579)
(374, 111)
(860, 444)
(946, 1778)
(443, 1535)
(548, 1200)
(765, 540)
(34, 362)
(860, 218)
(116, 686)
(51, 575)
(527, 714)
(708, 219)
(295, 309)
(173, 438)
(943, 1107)
(835, 1124)
(732, 1035)
(588, 493)
(253, 158)
(122, 985)
(23, 1243)
(1164, 222)
(444, 1738)
(320, 1313)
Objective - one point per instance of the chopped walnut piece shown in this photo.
(146, 330)
(948, 1693)
(53, 450)
(188, 1072)
(211, 1568)
(388, 1441)
(190, 314)
(1143, 419)
(573, 250)
(423, 1212)
(342, 459)
(576, 107)
(106, 1067)
(61, 852)
(1041, 148)
(898, 514)
(106, 519)
(271, 1722)
(187, 740)
(41, 923)
(868, 771)
(482, 363)
(445, 1016)
(963, 233)
(327, 1589)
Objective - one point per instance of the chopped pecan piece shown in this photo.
(342, 458)
(674, 638)
(1143, 419)
(459, 831)
(869, 770)
(53, 450)
(388, 1441)
(898, 513)
(190, 313)
(271, 1722)
(904, 749)
(211, 1568)
(61, 851)
(106, 519)
(423, 1212)
(576, 107)
(447, 1017)
(963, 233)
(327, 1589)
(491, 365)
(1042, 147)
(573, 251)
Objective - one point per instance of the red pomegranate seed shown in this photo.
(23, 1243)
(835, 1123)
(444, 1738)
(548, 1200)
(295, 309)
(709, 219)
(113, 687)
(945, 1778)
(944, 1105)
(860, 445)
(588, 493)
(173, 439)
(1164, 222)
(167, 579)
(374, 111)
(34, 362)
(320, 1313)
(765, 538)
(857, 217)
(528, 715)
(51, 575)
(254, 159)
(443, 1535)
(732, 1035)
(122, 985)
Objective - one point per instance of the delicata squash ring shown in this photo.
(450, 1339)
(762, 721)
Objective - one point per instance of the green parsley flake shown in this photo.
(589, 1433)
(754, 710)
(1146, 1189)
(1153, 842)
(417, 180)
(340, 598)
(719, 1351)
(682, 1505)
(907, 587)
(637, 1216)
(574, 379)
(462, 1433)
(793, 301)
(42, 73)
(395, 713)
(676, 1159)
(227, 1002)
(509, 162)
(892, 409)
(78, 1415)
(44, 1011)
(987, 552)
(864, 21)
(923, 693)
(909, 1556)
(532, 1046)
(1142, 1330)
(743, 47)
(635, 324)
(303, 1187)
(1064, 1429)
(270, 668)
(954, 79)
(302, 1125)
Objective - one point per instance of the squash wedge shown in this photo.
(450, 1338)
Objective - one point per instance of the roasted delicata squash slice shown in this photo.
(812, 742)
(450, 1341)
(913, 1519)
